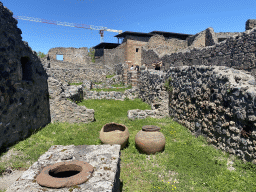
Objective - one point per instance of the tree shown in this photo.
(92, 54)
(41, 54)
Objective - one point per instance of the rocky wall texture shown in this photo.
(63, 110)
(151, 90)
(115, 95)
(51, 63)
(161, 46)
(24, 105)
(113, 56)
(77, 75)
(71, 54)
(217, 102)
(250, 24)
(236, 52)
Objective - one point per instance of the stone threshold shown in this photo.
(104, 158)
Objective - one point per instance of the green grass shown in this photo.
(187, 163)
(76, 83)
(112, 89)
(119, 85)
(97, 83)
(109, 76)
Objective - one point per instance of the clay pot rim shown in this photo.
(113, 123)
(150, 128)
(43, 178)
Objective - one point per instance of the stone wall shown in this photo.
(63, 110)
(236, 52)
(115, 95)
(202, 39)
(77, 75)
(24, 105)
(218, 102)
(113, 56)
(250, 24)
(152, 91)
(71, 54)
(221, 36)
(199, 46)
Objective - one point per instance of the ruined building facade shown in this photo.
(24, 101)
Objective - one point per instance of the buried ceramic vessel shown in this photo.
(150, 140)
(113, 133)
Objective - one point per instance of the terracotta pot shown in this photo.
(150, 140)
(113, 133)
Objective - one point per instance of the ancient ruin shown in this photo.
(30, 99)
(204, 81)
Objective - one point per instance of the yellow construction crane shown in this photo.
(92, 27)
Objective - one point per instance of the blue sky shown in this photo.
(183, 16)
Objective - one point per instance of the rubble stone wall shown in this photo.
(160, 46)
(24, 105)
(151, 90)
(63, 110)
(71, 54)
(250, 24)
(77, 75)
(113, 56)
(236, 52)
(217, 102)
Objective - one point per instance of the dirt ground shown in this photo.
(10, 175)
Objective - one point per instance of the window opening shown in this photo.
(137, 49)
(59, 57)
(26, 68)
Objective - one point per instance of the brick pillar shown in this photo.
(125, 76)
(134, 78)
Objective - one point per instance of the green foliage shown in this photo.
(92, 54)
(41, 54)
(167, 85)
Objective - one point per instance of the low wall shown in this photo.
(77, 75)
(130, 94)
(218, 102)
(63, 110)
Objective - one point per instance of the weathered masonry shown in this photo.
(73, 55)
(24, 92)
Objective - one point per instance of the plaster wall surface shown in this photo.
(24, 105)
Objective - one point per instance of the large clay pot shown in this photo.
(150, 140)
(113, 133)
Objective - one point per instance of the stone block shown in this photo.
(105, 160)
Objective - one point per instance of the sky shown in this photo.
(182, 16)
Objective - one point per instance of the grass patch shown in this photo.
(76, 83)
(119, 85)
(109, 76)
(112, 89)
(97, 83)
(187, 164)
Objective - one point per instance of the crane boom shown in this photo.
(84, 26)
